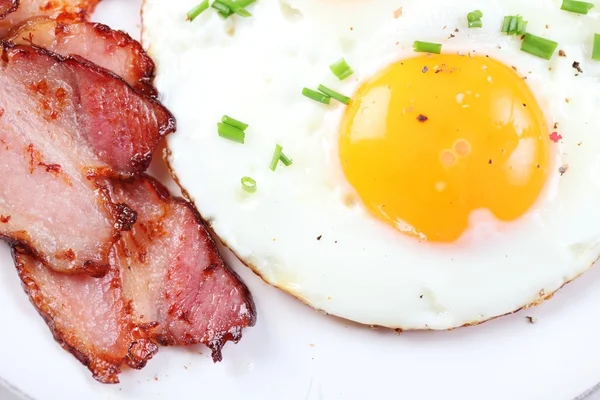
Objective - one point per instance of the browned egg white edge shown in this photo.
(543, 296)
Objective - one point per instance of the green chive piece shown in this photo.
(538, 46)
(199, 9)
(286, 161)
(279, 156)
(474, 19)
(231, 132)
(341, 69)
(236, 8)
(512, 29)
(316, 96)
(276, 157)
(506, 24)
(334, 95)
(475, 24)
(244, 3)
(521, 26)
(513, 25)
(248, 184)
(474, 15)
(427, 47)
(242, 12)
(222, 8)
(574, 6)
(234, 122)
(596, 49)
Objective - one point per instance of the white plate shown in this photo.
(294, 353)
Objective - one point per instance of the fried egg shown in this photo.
(453, 188)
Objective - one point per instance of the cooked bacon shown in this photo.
(174, 275)
(113, 50)
(88, 317)
(64, 122)
(120, 127)
(64, 9)
(7, 6)
(167, 284)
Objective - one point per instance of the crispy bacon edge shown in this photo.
(169, 331)
(217, 340)
(141, 66)
(104, 369)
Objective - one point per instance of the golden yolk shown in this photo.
(430, 139)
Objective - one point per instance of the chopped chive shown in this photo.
(234, 122)
(236, 8)
(506, 24)
(574, 6)
(244, 3)
(231, 133)
(427, 47)
(341, 69)
(242, 12)
(316, 96)
(475, 24)
(521, 26)
(596, 49)
(334, 95)
(221, 8)
(276, 157)
(248, 184)
(285, 160)
(199, 9)
(538, 46)
(513, 25)
(512, 29)
(474, 19)
(279, 156)
(474, 15)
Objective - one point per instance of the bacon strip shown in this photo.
(167, 284)
(65, 9)
(7, 7)
(118, 126)
(113, 50)
(63, 123)
(88, 317)
(173, 274)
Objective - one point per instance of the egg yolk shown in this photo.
(430, 139)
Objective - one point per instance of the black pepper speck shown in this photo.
(422, 118)
(563, 169)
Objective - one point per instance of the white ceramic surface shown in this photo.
(297, 354)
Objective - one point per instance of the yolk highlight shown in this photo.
(432, 138)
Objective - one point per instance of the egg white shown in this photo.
(300, 231)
